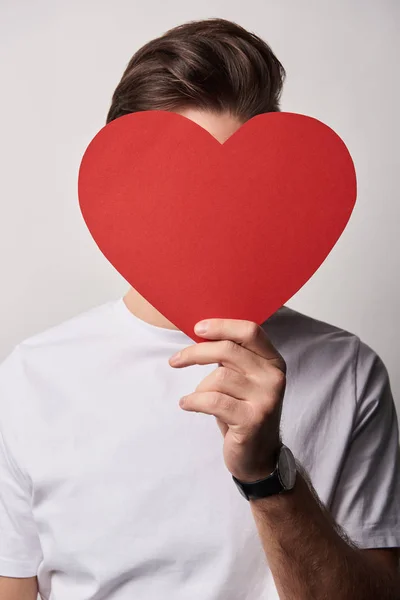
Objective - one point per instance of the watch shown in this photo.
(282, 478)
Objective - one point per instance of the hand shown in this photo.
(245, 393)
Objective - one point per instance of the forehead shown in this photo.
(221, 126)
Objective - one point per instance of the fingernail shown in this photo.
(201, 327)
(175, 358)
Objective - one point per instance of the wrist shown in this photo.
(282, 505)
(281, 480)
(264, 470)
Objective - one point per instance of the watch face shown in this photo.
(287, 468)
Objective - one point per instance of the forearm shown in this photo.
(22, 588)
(309, 558)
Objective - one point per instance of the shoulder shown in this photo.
(50, 347)
(313, 348)
(301, 333)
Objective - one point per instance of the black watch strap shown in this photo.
(262, 488)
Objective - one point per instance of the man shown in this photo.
(111, 489)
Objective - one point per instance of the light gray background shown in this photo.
(60, 64)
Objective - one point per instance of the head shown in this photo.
(213, 72)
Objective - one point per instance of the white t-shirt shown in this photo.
(110, 491)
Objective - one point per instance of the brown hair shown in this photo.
(211, 64)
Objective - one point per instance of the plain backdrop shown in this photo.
(60, 64)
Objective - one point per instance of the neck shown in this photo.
(142, 309)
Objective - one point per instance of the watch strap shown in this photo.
(262, 488)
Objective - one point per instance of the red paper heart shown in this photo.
(207, 230)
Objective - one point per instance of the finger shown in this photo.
(227, 409)
(225, 352)
(228, 381)
(245, 333)
(223, 427)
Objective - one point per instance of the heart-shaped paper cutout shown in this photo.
(203, 229)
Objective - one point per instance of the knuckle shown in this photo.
(282, 365)
(252, 332)
(226, 403)
(278, 377)
(221, 374)
(220, 401)
(215, 399)
(229, 346)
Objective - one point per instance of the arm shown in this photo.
(300, 539)
(12, 588)
(20, 548)
(309, 556)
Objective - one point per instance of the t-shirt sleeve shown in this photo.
(20, 549)
(367, 499)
